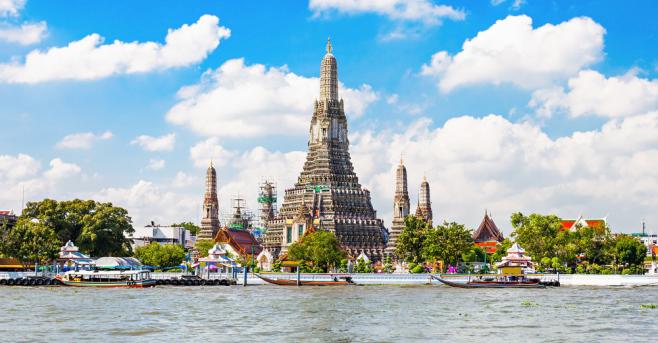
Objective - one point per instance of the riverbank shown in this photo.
(597, 280)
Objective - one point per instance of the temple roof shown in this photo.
(487, 231)
(240, 240)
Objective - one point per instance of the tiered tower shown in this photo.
(210, 220)
(327, 194)
(267, 199)
(424, 209)
(400, 207)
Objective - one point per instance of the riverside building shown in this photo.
(327, 194)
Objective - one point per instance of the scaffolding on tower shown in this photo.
(267, 198)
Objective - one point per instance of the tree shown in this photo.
(474, 254)
(388, 265)
(321, 248)
(447, 242)
(501, 250)
(536, 233)
(362, 266)
(163, 256)
(30, 241)
(411, 239)
(203, 245)
(189, 226)
(99, 229)
(629, 250)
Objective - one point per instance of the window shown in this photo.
(300, 230)
(289, 235)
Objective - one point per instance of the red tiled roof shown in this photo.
(487, 231)
(240, 240)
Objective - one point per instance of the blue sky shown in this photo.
(534, 132)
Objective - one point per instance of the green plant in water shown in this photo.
(652, 306)
(528, 303)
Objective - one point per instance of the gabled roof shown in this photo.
(568, 224)
(487, 231)
(241, 240)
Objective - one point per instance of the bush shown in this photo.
(418, 269)
(580, 269)
(627, 271)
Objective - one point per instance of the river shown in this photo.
(328, 314)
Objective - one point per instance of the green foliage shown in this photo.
(276, 266)
(388, 265)
(321, 249)
(417, 269)
(163, 256)
(362, 266)
(29, 241)
(501, 250)
(447, 242)
(343, 266)
(474, 254)
(543, 236)
(411, 239)
(203, 245)
(650, 306)
(536, 233)
(97, 228)
(629, 250)
(191, 227)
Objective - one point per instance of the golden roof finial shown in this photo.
(329, 44)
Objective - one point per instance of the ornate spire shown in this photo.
(424, 202)
(329, 76)
(329, 44)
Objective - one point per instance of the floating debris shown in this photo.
(648, 306)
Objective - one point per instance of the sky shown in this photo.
(504, 105)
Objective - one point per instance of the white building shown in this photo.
(162, 234)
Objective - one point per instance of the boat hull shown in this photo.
(288, 282)
(121, 284)
(491, 284)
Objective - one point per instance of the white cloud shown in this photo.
(591, 93)
(511, 51)
(146, 201)
(411, 10)
(209, 150)
(60, 169)
(238, 100)
(11, 8)
(492, 163)
(21, 174)
(89, 59)
(184, 180)
(25, 34)
(150, 143)
(82, 140)
(155, 164)
(17, 167)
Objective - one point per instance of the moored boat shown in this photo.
(498, 282)
(107, 278)
(338, 280)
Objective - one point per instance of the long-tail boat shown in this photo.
(335, 281)
(505, 282)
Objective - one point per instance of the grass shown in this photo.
(648, 306)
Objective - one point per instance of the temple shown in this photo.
(569, 224)
(424, 209)
(400, 208)
(487, 236)
(210, 220)
(327, 194)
